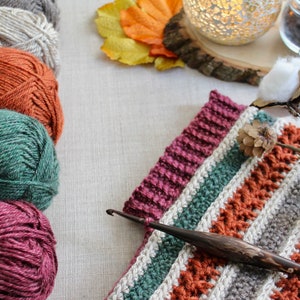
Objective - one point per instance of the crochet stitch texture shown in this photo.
(203, 182)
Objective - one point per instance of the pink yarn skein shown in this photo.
(28, 263)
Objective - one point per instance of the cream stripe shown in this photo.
(254, 232)
(151, 247)
(164, 290)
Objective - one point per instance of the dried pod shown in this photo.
(293, 105)
(256, 138)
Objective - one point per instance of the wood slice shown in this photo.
(246, 63)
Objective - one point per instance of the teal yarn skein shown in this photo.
(29, 167)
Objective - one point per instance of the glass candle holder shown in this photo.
(231, 22)
(290, 26)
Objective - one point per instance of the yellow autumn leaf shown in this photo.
(108, 21)
(162, 63)
(118, 46)
(126, 51)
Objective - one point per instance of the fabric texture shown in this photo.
(204, 182)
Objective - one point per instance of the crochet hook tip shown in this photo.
(110, 212)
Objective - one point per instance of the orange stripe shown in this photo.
(239, 210)
(290, 286)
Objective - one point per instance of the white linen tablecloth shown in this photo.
(118, 121)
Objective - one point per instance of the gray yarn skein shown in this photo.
(48, 7)
(32, 33)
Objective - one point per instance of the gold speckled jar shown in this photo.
(232, 22)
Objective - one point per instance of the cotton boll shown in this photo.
(282, 81)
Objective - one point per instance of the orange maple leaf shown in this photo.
(145, 22)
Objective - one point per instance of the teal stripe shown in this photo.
(170, 247)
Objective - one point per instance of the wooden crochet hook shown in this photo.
(227, 247)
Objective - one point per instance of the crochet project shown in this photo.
(204, 182)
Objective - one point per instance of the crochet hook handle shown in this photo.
(227, 247)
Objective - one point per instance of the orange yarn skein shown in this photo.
(28, 86)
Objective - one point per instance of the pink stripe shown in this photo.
(171, 173)
(157, 196)
(187, 156)
(199, 148)
(184, 167)
(153, 213)
(157, 200)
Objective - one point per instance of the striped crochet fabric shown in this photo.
(203, 182)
